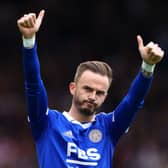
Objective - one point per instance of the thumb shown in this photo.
(40, 17)
(140, 41)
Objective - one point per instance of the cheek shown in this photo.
(101, 100)
(80, 96)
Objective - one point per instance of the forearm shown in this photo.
(31, 62)
(139, 88)
(36, 95)
(125, 112)
(133, 101)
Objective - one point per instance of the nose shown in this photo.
(92, 96)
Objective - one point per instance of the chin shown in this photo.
(87, 112)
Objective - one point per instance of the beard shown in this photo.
(86, 111)
(86, 108)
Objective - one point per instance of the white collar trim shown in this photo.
(71, 119)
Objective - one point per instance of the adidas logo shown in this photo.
(68, 134)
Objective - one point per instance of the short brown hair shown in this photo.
(99, 67)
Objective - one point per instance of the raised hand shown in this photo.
(29, 24)
(151, 53)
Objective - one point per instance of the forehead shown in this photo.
(94, 80)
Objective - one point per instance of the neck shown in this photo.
(74, 113)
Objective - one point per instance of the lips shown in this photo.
(90, 103)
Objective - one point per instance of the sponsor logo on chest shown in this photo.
(87, 156)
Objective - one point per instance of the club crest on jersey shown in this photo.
(95, 135)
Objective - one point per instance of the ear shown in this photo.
(72, 88)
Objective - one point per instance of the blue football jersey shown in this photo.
(66, 143)
(61, 141)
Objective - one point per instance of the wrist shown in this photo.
(29, 42)
(147, 69)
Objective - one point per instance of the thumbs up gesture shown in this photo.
(151, 53)
(29, 24)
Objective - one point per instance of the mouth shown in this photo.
(90, 104)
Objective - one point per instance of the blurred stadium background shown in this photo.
(74, 31)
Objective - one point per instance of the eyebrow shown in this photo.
(97, 91)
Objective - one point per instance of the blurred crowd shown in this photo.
(74, 31)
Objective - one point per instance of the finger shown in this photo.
(40, 17)
(32, 19)
(158, 52)
(31, 23)
(140, 41)
(150, 45)
(155, 59)
(21, 22)
(162, 53)
(27, 23)
(29, 20)
(156, 45)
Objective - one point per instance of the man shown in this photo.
(80, 138)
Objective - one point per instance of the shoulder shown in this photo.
(101, 116)
(105, 117)
(54, 113)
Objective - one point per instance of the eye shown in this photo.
(88, 89)
(100, 93)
